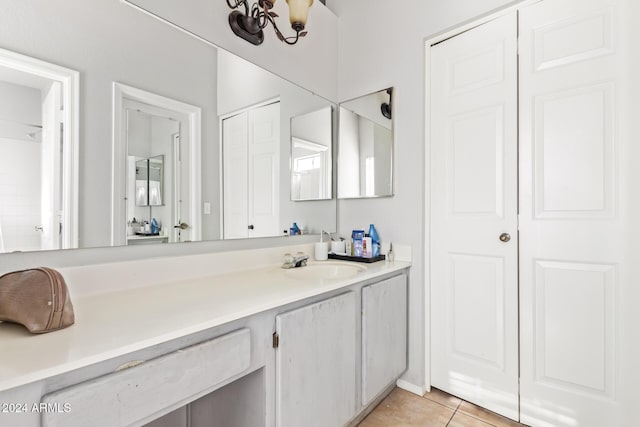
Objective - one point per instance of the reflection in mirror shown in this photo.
(218, 83)
(156, 179)
(141, 181)
(365, 147)
(257, 110)
(37, 185)
(149, 178)
(251, 165)
(153, 166)
(311, 155)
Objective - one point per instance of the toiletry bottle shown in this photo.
(295, 230)
(375, 240)
(391, 256)
(367, 247)
(358, 236)
(154, 226)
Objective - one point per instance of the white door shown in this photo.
(264, 171)
(316, 364)
(251, 173)
(474, 276)
(51, 194)
(576, 194)
(235, 184)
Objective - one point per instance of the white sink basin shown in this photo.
(326, 270)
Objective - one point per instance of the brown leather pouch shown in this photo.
(37, 299)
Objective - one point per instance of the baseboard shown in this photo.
(411, 388)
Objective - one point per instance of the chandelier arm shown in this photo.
(262, 17)
(256, 18)
(246, 5)
(291, 40)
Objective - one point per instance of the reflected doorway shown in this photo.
(156, 169)
(38, 149)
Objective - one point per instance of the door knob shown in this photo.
(505, 237)
(250, 227)
(182, 226)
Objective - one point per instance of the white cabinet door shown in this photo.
(576, 192)
(384, 335)
(316, 364)
(474, 277)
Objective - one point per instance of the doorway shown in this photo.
(38, 154)
(155, 135)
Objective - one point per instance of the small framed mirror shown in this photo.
(312, 155)
(365, 146)
(149, 185)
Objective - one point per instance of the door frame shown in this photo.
(428, 164)
(70, 83)
(119, 152)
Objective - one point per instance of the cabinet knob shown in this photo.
(505, 237)
(250, 227)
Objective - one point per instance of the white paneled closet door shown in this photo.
(575, 198)
(264, 171)
(474, 239)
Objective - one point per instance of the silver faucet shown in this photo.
(290, 261)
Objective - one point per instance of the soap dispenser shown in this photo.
(322, 248)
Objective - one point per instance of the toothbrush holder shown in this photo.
(321, 251)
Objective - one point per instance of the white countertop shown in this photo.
(111, 324)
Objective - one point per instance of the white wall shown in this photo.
(382, 45)
(19, 105)
(107, 41)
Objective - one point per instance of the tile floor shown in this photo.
(435, 409)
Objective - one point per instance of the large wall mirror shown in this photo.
(365, 151)
(105, 42)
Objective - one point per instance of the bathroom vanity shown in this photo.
(215, 339)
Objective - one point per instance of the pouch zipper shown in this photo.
(57, 297)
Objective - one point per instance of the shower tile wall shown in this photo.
(19, 195)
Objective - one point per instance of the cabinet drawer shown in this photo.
(137, 394)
